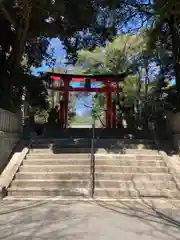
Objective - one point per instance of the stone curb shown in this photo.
(10, 170)
(168, 160)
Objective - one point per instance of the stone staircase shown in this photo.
(124, 168)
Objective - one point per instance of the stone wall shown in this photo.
(10, 130)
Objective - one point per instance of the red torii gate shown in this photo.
(61, 82)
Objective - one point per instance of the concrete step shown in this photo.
(41, 151)
(57, 162)
(141, 151)
(130, 162)
(135, 184)
(51, 175)
(134, 163)
(87, 149)
(123, 151)
(123, 146)
(53, 168)
(137, 148)
(133, 193)
(98, 176)
(57, 151)
(142, 156)
(116, 162)
(57, 156)
(130, 169)
(96, 140)
(133, 176)
(51, 192)
(77, 183)
(72, 140)
(99, 168)
(61, 145)
(104, 155)
(61, 140)
(42, 183)
(111, 193)
(66, 150)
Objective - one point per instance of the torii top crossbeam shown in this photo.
(83, 77)
(55, 81)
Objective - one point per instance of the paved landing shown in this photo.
(40, 220)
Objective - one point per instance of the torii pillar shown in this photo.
(111, 118)
(114, 114)
(63, 113)
(108, 107)
(66, 100)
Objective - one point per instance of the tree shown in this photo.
(164, 37)
(116, 57)
(27, 26)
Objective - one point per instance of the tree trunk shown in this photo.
(13, 63)
(139, 85)
(146, 80)
(146, 95)
(176, 54)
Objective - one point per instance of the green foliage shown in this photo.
(130, 90)
(116, 57)
(98, 105)
(41, 115)
(37, 94)
(87, 25)
(164, 39)
(27, 27)
(85, 119)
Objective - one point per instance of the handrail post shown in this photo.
(92, 164)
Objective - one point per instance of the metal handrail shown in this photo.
(92, 164)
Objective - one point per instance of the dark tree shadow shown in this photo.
(44, 220)
(158, 218)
